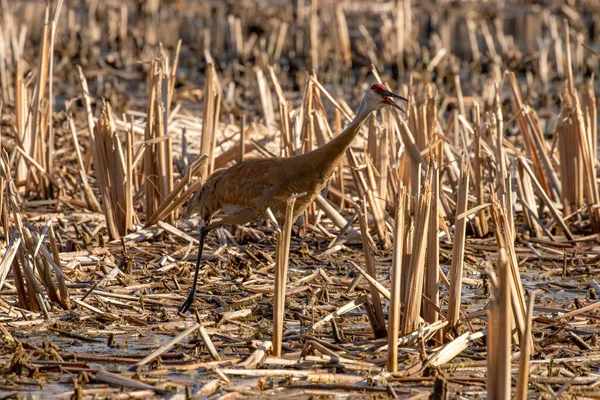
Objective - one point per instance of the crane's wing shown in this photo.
(259, 184)
(249, 184)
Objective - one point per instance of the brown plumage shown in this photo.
(245, 190)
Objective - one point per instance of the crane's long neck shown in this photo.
(327, 156)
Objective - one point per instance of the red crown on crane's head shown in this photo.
(378, 88)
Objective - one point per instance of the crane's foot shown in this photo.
(187, 303)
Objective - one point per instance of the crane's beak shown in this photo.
(387, 95)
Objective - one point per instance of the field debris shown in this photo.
(454, 254)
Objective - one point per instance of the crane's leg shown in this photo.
(190, 299)
(241, 217)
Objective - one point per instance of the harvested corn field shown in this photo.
(444, 247)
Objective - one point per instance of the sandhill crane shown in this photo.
(245, 190)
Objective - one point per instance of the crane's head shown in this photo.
(378, 96)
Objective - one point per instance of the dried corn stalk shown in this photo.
(111, 170)
(499, 336)
(415, 270)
